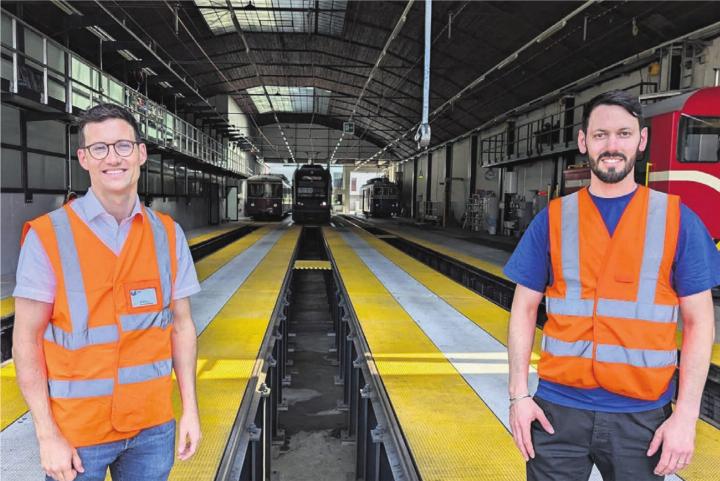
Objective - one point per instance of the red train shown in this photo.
(684, 152)
(269, 196)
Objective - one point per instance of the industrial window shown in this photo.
(48, 135)
(169, 177)
(6, 30)
(46, 171)
(699, 139)
(280, 16)
(10, 125)
(11, 169)
(290, 99)
(80, 179)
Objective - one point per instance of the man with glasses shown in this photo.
(102, 318)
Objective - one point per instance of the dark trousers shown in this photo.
(615, 442)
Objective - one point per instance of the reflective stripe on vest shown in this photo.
(105, 387)
(79, 389)
(144, 372)
(81, 336)
(162, 254)
(556, 347)
(609, 353)
(636, 357)
(146, 320)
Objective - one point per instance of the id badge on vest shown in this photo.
(143, 295)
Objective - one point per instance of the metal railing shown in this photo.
(556, 132)
(41, 69)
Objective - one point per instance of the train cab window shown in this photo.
(256, 190)
(699, 139)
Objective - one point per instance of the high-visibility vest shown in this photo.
(611, 309)
(108, 343)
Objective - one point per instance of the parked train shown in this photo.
(269, 196)
(311, 190)
(380, 198)
(683, 156)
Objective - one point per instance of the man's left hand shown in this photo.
(188, 435)
(677, 437)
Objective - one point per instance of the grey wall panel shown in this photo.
(14, 212)
(461, 172)
(189, 216)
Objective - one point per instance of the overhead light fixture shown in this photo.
(149, 71)
(551, 31)
(128, 55)
(100, 33)
(179, 95)
(66, 7)
(250, 6)
(167, 85)
(507, 61)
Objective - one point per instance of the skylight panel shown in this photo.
(279, 16)
(290, 99)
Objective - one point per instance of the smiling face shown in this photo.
(613, 142)
(114, 175)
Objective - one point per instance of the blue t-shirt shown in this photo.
(696, 269)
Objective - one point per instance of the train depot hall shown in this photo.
(331, 209)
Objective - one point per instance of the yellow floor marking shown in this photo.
(494, 320)
(227, 351)
(210, 235)
(305, 264)
(12, 404)
(451, 432)
(207, 266)
(7, 307)
(450, 252)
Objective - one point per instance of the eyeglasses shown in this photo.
(100, 150)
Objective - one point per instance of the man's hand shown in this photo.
(59, 460)
(677, 437)
(522, 413)
(188, 435)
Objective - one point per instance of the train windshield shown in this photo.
(311, 186)
(699, 139)
(265, 190)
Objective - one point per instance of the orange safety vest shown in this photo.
(107, 346)
(612, 312)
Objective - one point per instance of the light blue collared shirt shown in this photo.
(35, 277)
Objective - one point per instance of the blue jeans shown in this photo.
(145, 457)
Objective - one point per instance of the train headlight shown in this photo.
(252, 204)
(323, 203)
(300, 203)
(275, 205)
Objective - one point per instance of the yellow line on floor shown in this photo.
(227, 352)
(7, 307)
(494, 320)
(210, 235)
(12, 404)
(451, 432)
(207, 266)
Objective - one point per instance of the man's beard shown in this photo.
(613, 175)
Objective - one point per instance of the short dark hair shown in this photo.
(620, 98)
(102, 112)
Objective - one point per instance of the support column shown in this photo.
(448, 182)
(473, 163)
